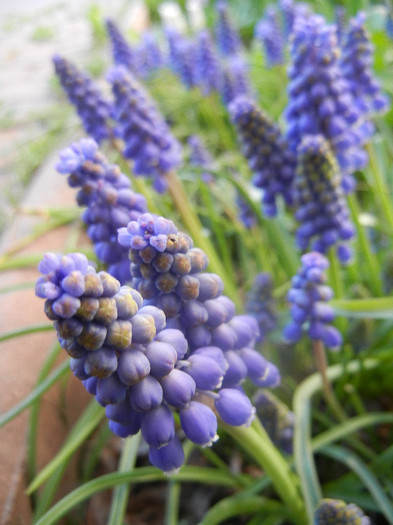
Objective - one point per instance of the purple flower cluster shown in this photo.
(235, 81)
(182, 56)
(321, 206)
(122, 52)
(261, 304)
(92, 107)
(308, 296)
(337, 512)
(227, 38)
(290, 11)
(320, 100)
(109, 199)
(276, 418)
(147, 138)
(149, 56)
(268, 31)
(245, 212)
(200, 156)
(208, 71)
(133, 365)
(356, 62)
(169, 273)
(268, 155)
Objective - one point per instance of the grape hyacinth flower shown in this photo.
(320, 100)
(245, 212)
(227, 38)
(207, 64)
(200, 156)
(91, 105)
(321, 206)
(340, 21)
(268, 31)
(182, 54)
(337, 512)
(169, 273)
(109, 199)
(261, 304)
(309, 296)
(276, 418)
(136, 367)
(235, 82)
(147, 138)
(290, 10)
(266, 151)
(123, 54)
(149, 56)
(356, 62)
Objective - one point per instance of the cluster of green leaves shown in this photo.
(356, 438)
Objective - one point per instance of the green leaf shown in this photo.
(371, 308)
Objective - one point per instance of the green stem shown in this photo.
(121, 492)
(332, 401)
(256, 442)
(25, 331)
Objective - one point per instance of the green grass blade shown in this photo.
(374, 307)
(26, 331)
(192, 474)
(369, 480)
(35, 394)
(121, 493)
(234, 506)
(85, 426)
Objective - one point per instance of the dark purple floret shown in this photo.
(268, 31)
(309, 296)
(227, 38)
(261, 304)
(109, 200)
(200, 156)
(147, 138)
(266, 151)
(320, 100)
(337, 512)
(123, 54)
(208, 73)
(182, 55)
(356, 63)
(92, 107)
(245, 213)
(321, 206)
(235, 82)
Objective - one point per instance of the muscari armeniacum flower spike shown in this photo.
(182, 54)
(337, 512)
(261, 304)
(200, 156)
(110, 202)
(147, 138)
(321, 206)
(169, 273)
(149, 56)
(290, 10)
(92, 107)
(122, 52)
(227, 38)
(356, 62)
(235, 82)
(309, 296)
(208, 73)
(266, 151)
(268, 31)
(320, 100)
(138, 369)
